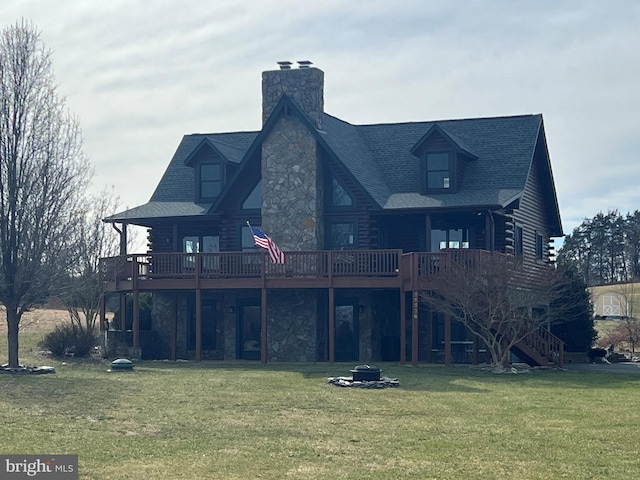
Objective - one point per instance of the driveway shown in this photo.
(626, 367)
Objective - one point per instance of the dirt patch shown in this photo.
(37, 321)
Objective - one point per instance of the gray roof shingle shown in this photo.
(379, 157)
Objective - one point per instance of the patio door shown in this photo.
(209, 320)
(249, 331)
(347, 328)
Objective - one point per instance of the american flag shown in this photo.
(263, 241)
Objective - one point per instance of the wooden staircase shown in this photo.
(541, 349)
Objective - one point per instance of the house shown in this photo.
(359, 210)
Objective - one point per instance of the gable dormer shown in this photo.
(211, 170)
(443, 159)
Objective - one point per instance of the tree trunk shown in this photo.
(13, 322)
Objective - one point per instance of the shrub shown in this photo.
(69, 339)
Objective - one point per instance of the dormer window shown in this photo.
(210, 180)
(443, 160)
(438, 171)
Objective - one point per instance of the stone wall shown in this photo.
(291, 325)
(291, 168)
(305, 86)
(292, 187)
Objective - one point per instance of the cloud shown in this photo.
(141, 74)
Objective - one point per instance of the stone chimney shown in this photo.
(292, 207)
(304, 85)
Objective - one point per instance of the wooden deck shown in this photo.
(312, 269)
(392, 269)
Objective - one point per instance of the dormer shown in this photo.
(211, 170)
(443, 158)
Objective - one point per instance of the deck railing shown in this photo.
(311, 264)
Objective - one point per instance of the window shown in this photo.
(190, 245)
(254, 200)
(210, 180)
(341, 236)
(339, 196)
(336, 195)
(517, 240)
(451, 238)
(438, 171)
(539, 246)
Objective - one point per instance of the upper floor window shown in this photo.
(210, 180)
(438, 171)
(341, 235)
(339, 196)
(450, 238)
(336, 195)
(254, 200)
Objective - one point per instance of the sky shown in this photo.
(141, 74)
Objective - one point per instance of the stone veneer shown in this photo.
(291, 168)
(305, 86)
(291, 325)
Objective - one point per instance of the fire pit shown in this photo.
(366, 373)
(364, 376)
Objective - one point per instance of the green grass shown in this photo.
(228, 420)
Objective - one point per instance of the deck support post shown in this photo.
(136, 318)
(136, 303)
(198, 311)
(198, 324)
(123, 311)
(174, 330)
(414, 327)
(474, 357)
(103, 312)
(447, 339)
(263, 327)
(403, 335)
(332, 325)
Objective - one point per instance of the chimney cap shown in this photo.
(285, 65)
(304, 63)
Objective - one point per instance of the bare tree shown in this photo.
(92, 240)
(496, 296)
(43, 175)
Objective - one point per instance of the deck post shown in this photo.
(447, 339)
(103, 312)
(198, 311)
(474, 358)
(403, 331)
(136, 318)
(414, 327)
(174, 330)
(123, 311)
(198, 324)
(136, 302)
(263, 327)
(332, 325)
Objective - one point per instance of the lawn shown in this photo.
(212, 420)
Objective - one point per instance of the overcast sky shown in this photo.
(141, 74)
